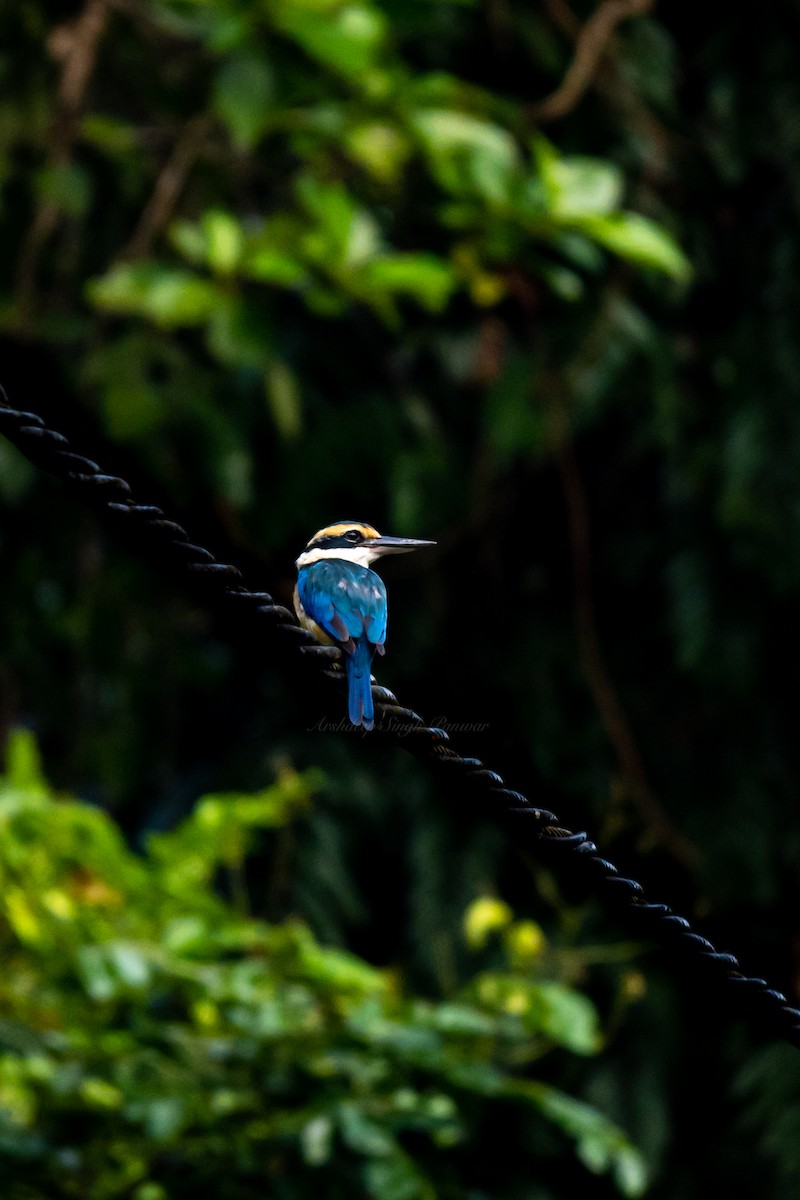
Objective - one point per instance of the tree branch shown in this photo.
(591, 45)
(76, 46)
(168, 187)
(595, 670)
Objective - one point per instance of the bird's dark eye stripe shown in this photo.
(339, 541)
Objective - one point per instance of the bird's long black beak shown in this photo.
(395, 545)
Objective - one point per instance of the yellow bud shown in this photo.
(205, 1013)
(58, 903)
(486, 290)
(21, 917)
(483, 917)
(516, 1003)
(99, 1094)
(526, 942)
(634, 986)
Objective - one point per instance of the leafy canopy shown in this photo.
(156, 1038)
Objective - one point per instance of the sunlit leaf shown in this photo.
(167, 295)
(344, 36)
(269, 264)
(565, 1015)
(467, 154)
(316, 1138)
(168, 1010)
(422, 276)
(23, 764)
(225, 240)
(577, 186)
(380, 148)
(639, 240)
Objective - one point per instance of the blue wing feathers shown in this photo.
(336, 593)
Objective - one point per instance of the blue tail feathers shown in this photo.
(359, 690)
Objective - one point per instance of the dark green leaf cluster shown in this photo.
(156, 1039)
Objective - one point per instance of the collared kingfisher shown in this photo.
(343, 603)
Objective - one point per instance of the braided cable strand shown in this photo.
(768, 1009)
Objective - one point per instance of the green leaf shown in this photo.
(243, 97)
(96, 977)
(380, 148)
(99, 1094)
(177, 1019)
(424, 277)
(67, 187)
(361, 1134)
(189, 238)
(169, 296)
(186, 935)
(346, 37)
(577, 186)
(467, 154)
(23, 762)
(396, 1178)
(240, 331)
(640, 241)
(224, 240)
(363, 241)
(150, 1191)
(164, 1117)
(331, 206)
(566, 1016)
(316, 1140)
(283, 398)
(479, 1077)
(601, 1145)
(216, 241)
(108, 133)
(130, 964)
(459, 1020)
(267, 263)
(339, 969)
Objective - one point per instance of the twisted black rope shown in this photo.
(768, 1009)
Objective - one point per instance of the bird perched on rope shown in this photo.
(343, 603)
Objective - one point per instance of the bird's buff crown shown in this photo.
(340, 528)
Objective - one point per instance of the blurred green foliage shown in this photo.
(156, 1039)
(284, 261)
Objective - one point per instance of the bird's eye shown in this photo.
(354, 536)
